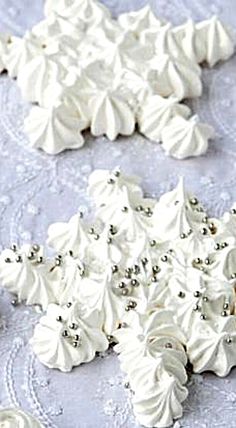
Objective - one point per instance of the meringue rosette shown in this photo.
(66, 337)
(55, 128)
(182, 138)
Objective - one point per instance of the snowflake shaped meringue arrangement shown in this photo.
(84, 70)
(155, 278)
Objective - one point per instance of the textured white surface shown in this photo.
(36, 190)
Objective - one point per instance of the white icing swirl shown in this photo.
(156, 113)
(55, 128)
(16, 418)
(183, 138)
(212, 346)
(66, 337)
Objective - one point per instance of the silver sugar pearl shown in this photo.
(121, 285)
(193, 201)
(114, 269)
(36, 248)
(197, 294)
(203, 317)
(168, 345)
(110, 181)
(73, 326)
(134, 283)
(77, 337)
(224, 245)
(181, 294)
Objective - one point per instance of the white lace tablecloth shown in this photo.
(36, 189)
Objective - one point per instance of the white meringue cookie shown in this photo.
(20, 52)
(176, 213)
(127, 220)
(37, 75)
(139, 20)
(22, 274)
(218, 42)
(54, 129)
(111, 116)
(71, 236)
(158, 404)
(182, 138)
(155, 114)
(99, 294)
(16, 418)
(154, 361)
(66, 337)
(191, 41)
(165, 43)
(105, 185)
(176, 77)
(193, 295)
(212, 346)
